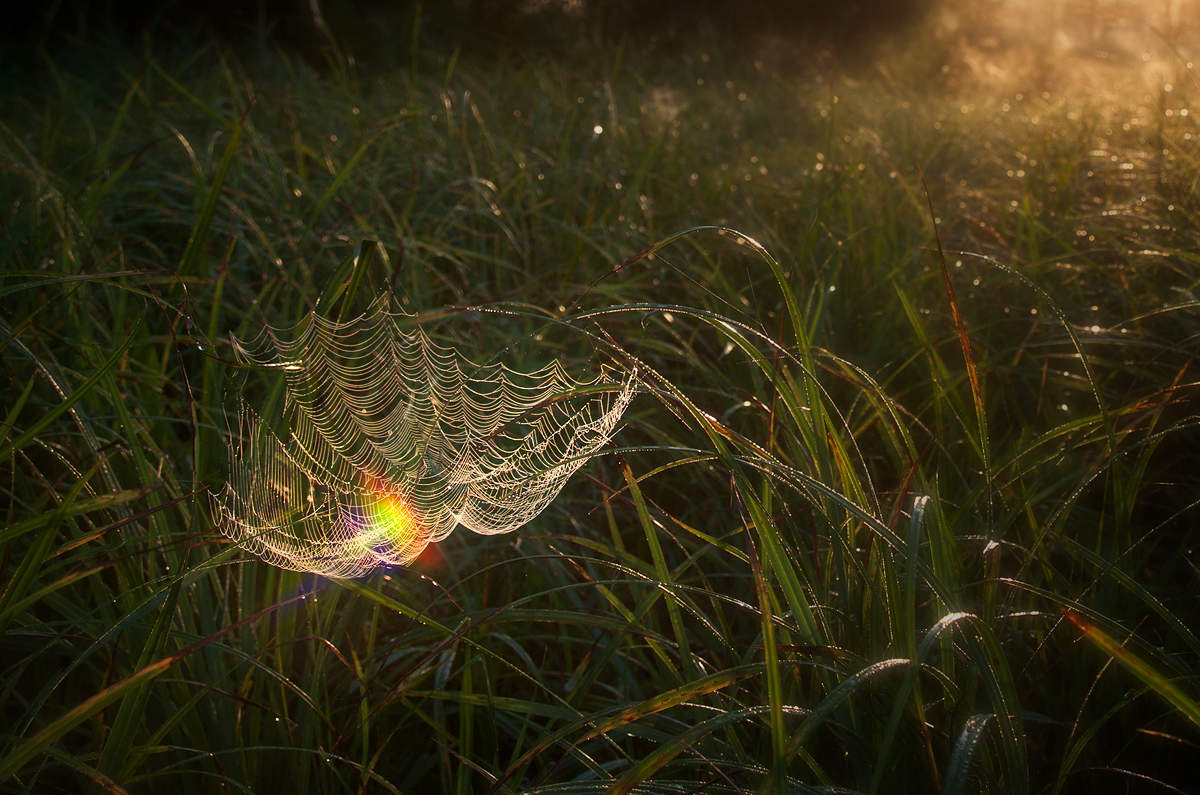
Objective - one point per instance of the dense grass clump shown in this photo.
(905, 502)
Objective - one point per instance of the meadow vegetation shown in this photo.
(903, 504)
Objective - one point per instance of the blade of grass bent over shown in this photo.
(1170, 692)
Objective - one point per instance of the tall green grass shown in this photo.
(896, 510)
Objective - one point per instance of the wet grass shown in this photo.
(902, 507)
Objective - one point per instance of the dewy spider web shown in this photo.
(392, 440)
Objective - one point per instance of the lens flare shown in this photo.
(391, 517)
(382, 526)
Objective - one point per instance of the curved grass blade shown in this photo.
(959, 768)
(1168, 690)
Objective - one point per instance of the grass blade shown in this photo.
(1170, 692)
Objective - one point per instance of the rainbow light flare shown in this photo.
(385, 527)
(391, 517)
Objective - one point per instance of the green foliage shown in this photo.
(888, 510)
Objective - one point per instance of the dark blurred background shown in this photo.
(378, 27)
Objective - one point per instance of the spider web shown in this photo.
(390, 441)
